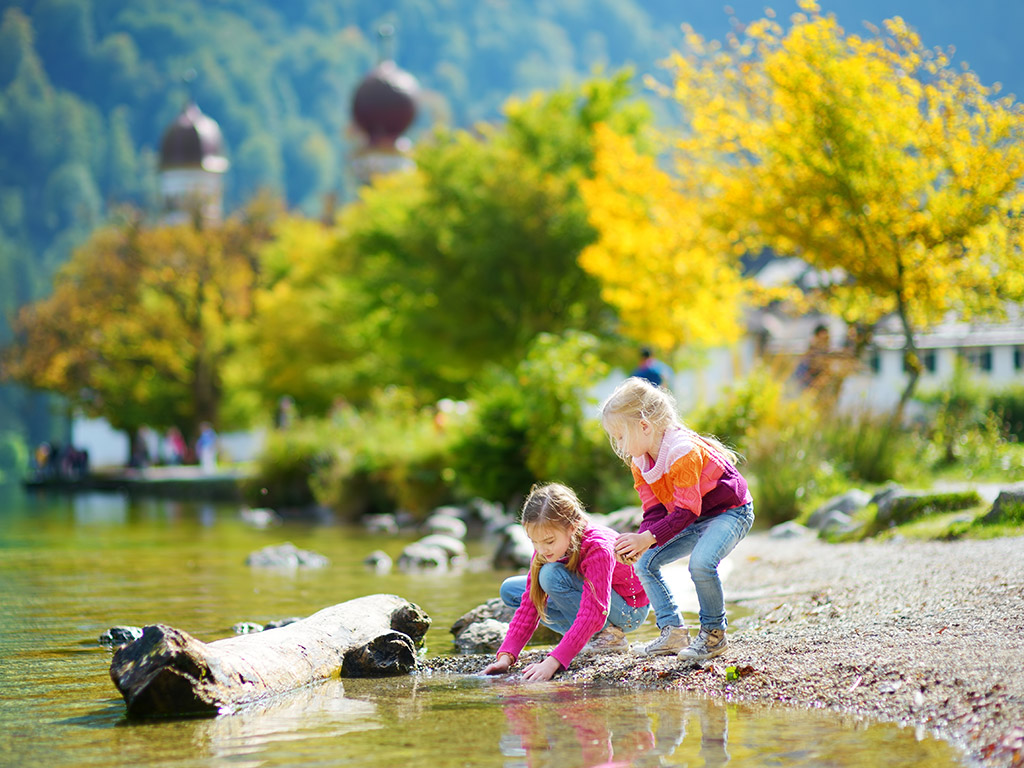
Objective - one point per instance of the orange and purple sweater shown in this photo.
(688, 480)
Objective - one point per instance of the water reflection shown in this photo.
(316, 712)
(609, 730)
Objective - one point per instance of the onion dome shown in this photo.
(193, 140)
(384, 104)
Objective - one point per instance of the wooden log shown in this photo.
(169, 672)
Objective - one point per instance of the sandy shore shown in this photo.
(927, 634)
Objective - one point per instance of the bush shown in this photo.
(867, 447)
(13, 456)
(529, 425)
(288, 461)
(1009, 405)
(393, 455)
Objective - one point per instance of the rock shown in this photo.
(423, 557)
(789, 530)
(383, 523)
(445, 524)
(246, 627)
(514, 548)
(1010, 500)
(495, 609)
(116, 636)
(451, 545)
(276, 623)
(847, 503)
(261, 517)
(884, 493)
(481, 637)
(287, 556)
(492, 609)
(625, 520)
(379, 561)
(836, 523)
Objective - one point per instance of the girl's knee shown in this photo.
(554, 577)
(511, 591)
(703, 567)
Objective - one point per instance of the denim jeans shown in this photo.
(706, 541)
(565, 590)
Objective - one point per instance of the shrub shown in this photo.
(1009, 405)
(393, 455)
(13, 456)
(288, 460)
(530, 425)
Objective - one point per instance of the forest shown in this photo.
(87, 88)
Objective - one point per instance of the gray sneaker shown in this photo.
(611, 639)
(672, 640)
(706, 645)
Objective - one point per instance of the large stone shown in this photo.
(1011, 498)
(481, 637)
(514, 548)
(847, 503)
(285, 556)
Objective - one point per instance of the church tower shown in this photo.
(192, 166)
(383, 108)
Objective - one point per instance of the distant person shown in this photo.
(695, 504)
(813, 369)
(174, 445)
(287, 413)
(574, 586)
(651, 368)
(206, 448)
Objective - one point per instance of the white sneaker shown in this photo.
(706, 645)
(611, 639)
(672, 640)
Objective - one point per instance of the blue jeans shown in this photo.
(565, 590)
(706, 541)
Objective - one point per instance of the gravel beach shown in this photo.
(927, 634)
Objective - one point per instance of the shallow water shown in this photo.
(73, 566)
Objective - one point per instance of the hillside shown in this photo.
(88, 86)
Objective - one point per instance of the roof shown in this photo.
(193, 140)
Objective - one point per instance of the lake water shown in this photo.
(73, 566)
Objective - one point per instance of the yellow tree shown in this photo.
(138, 326)
(672, 280)
(869, 156)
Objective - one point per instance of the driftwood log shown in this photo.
(169, 672)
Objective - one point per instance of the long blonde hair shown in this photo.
(636, 400)
(554, 505)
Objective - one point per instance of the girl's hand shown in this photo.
(629, 546)
(500, 666)
(542, 670)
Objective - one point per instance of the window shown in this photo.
(1018, 358)
(977, 358)
(927, 358)
(875, 361)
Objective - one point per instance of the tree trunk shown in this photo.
(169, 672)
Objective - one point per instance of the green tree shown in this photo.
(137, 329)
(465, 260)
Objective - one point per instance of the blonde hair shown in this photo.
(636, 400)
(554, 505)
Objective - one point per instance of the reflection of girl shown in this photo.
(575, 586)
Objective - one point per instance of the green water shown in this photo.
(73, 566)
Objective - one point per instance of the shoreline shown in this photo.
(924, 634)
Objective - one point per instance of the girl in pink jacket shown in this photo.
(575, 586)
